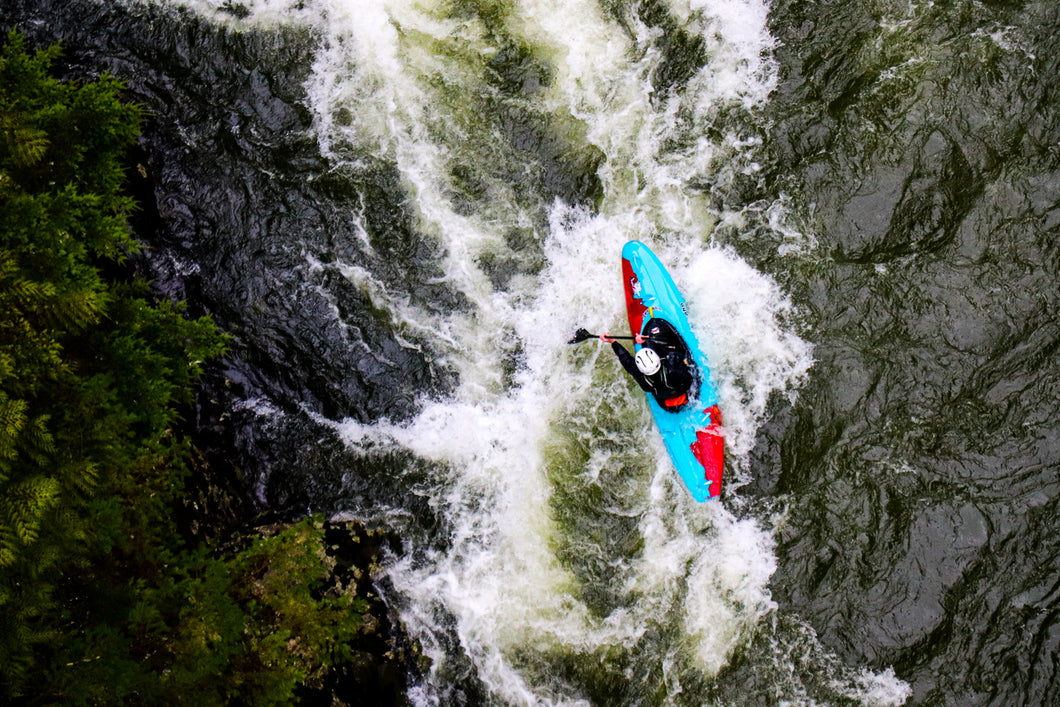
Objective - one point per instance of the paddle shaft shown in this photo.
(582, 335)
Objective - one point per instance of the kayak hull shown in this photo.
(693, 433)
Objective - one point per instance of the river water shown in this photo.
(401, 210)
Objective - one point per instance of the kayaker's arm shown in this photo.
(630, 365)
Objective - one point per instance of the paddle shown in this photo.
(582, 335)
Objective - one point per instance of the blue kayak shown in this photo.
(692, 434)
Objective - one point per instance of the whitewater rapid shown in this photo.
(568, 547)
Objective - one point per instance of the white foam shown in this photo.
(382, 89)
(740, 67)
(882, 689)
(746, 330)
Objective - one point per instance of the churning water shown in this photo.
(402, 210)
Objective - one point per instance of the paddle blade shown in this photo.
(580, 336)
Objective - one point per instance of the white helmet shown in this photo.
(647, 361)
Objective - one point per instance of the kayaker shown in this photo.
(662, 367)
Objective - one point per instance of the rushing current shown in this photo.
(402, 209)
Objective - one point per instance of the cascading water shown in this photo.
(569, 565)
(402, 210)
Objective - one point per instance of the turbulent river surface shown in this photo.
(402, 209)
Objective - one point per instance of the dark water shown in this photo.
(910, 486)
(922, 457)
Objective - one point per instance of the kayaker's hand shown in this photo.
(606, 339)
(640, 338)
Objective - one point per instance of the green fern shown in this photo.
(28, 146)
(27, 295)
(25, 504)
(12, 421)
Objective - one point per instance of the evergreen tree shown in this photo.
(100, 602)
(60, 209)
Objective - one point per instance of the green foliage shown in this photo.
(246, 628)
(71, 435)
(100, 601)
(60, 208)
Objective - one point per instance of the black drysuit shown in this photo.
(676, 376)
